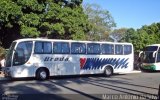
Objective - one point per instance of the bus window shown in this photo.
(78, 48)
(38, 48)
(127, 49)
(47, 47)
(158, 55)
(107, 48)
(93, 48)
(22, 53)
(151, 48)
(43, 47)
(61, 48)
(9, 54)
(118, 49)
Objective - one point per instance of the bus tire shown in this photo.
(42, 74)
(108, 71)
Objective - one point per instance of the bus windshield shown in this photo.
(22, 53)
(148, 57)
(148, 54)
(151, 48)
(9, 55)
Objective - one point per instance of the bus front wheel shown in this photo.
(41, 74)
(108, 71)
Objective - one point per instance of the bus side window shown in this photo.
(47, 47)
(127, 49)
(107, 48)
(43, 47)
(61, 48)
(119, 49)
(38, 48)
(93, 48)
(78, 48)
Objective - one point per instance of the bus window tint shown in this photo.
(93, 48)
(38, 47)
(61, 48)
(78, 48)
(107, 49)
(47, 47)
(127, 49)
(22, 53)
(158, 56)
(43, 47)
(118, 49)
(151, 48)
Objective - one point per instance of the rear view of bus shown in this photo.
(150, 57)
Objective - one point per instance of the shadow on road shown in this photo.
(145, 95)
(32, 89)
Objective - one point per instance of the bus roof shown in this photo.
(61, 40)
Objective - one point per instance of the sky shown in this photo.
(131, 13)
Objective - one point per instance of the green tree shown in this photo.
(146, 35)
(129, 35)
(10, 14)
(100, 20)
(62, 19)
(118, 34)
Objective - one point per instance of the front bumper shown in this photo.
(149, 67)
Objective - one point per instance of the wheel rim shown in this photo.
(43, 75)
(108, 71)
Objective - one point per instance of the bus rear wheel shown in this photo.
(41, 74)
(108, 71)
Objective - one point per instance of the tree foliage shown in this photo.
(62, 19)
(2, 52)
(117, 34)
(100, 20)
(144, 36)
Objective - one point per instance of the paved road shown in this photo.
(144, 85)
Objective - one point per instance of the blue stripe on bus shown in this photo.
(98, 63)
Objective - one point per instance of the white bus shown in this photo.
(150, 57)
(42, 58)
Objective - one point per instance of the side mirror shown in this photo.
(154, 54)
(140, 53)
